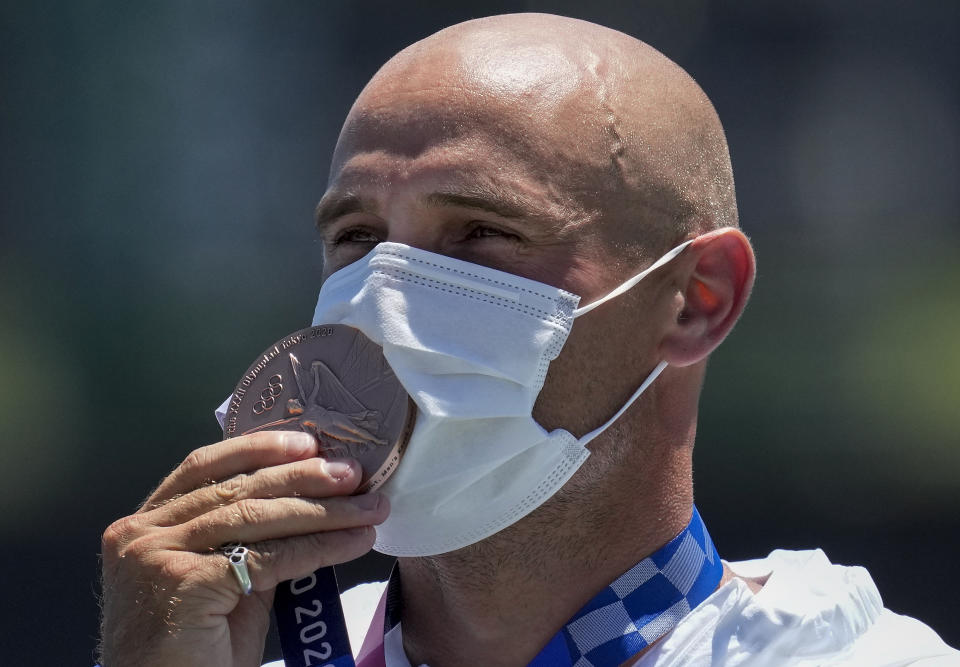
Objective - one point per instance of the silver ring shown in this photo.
(236, 554)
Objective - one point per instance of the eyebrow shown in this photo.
(481, 199)
(487, 201)
(329, 210)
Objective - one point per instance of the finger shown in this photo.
(257, 519)
(243, 454)
(312, 478)
(273, 561)
(268, 563)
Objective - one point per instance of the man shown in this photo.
(511, 155)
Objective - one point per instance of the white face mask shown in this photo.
(471, 345)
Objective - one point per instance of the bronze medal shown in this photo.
(333, 382)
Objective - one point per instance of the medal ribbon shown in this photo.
(638, 608)
(310, 622)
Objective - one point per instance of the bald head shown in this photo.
(620, 134)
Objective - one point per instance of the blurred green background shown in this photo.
(159, 164)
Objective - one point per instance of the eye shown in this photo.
(482, 231)
(355, 235)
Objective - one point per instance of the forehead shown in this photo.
(402, 157)
(416, 124)
(394, 144)
(467, 134)
(454, 138)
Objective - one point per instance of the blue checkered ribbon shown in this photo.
(639, 607)
(642, 605)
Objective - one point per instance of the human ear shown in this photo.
(715, 283)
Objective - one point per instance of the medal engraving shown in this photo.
(333, 382)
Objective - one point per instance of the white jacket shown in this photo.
(809, 612)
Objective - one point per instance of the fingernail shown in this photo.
(367, 501)
(337, 468)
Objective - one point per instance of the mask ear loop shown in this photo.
(643, 387)
(659, 367)
(633, 281)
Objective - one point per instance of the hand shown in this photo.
(169, 596)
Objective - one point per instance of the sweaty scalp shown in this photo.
(625, 131)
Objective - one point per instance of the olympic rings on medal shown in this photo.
(268, 397)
